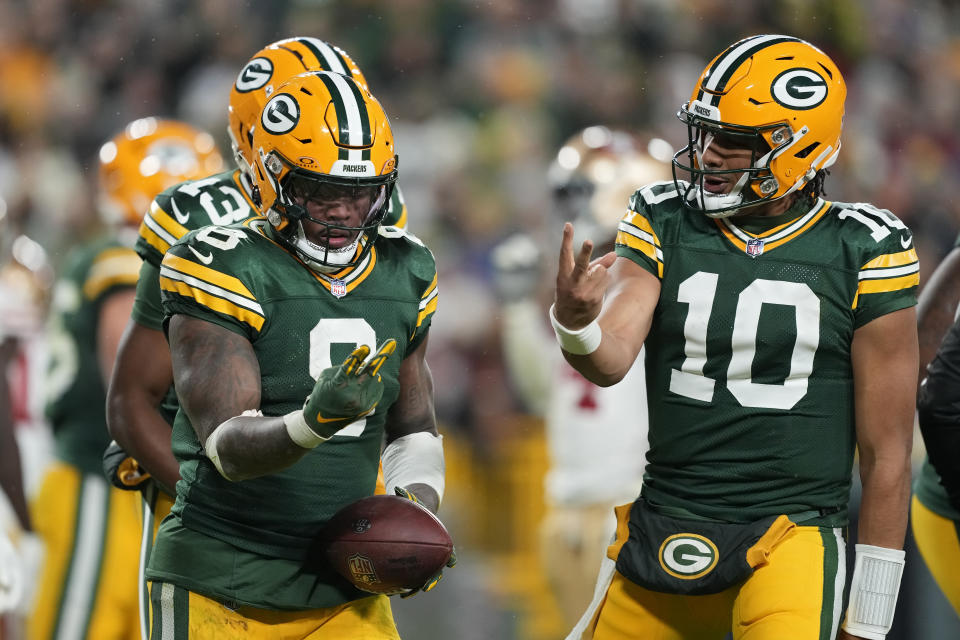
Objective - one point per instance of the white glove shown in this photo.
(516, 267)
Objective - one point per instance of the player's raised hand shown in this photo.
(343, 394)
(581, 282)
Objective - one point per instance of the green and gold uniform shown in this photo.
(220, 199)
(89, 529)
(250, 543)
(750, 391)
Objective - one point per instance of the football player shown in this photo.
(272, 435)
(935, 508)
(90, 529)
(780, 335)
(595, 172)
(141, 399)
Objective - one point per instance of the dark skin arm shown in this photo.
(142, 374)
(413, 411)
(205, 356)
(11, 477)
(217, 378)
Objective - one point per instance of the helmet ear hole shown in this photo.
(806, 151)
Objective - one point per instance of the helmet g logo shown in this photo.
(254, 75)
(281, 114)
(688, 556)
(799, 89)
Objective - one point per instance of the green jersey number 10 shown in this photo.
(698, 291)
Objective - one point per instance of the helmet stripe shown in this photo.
(730, 60)
(328, 58)
(352, 117)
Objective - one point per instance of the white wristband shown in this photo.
(299, 432)
(580, 342)
(873, 591)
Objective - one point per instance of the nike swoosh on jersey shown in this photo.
(181, 217)
(204, 258)
(905, 241)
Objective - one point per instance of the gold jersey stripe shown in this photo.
(213, 302)
(880, 285)
(153, 239)
(641, 245)
(118, 266)
(353, 277)
(428, 310)
(207, 274)
(892, 260)
(429, 290)
(165, 220)
(742, 245)
(634, 219)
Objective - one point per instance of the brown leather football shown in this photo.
(386, 544)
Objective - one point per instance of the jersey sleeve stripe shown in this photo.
(428, 304)
(165, 221)
(110, 268)
(870, 274)
(892, 260)
(206, 274)
(889, 284)
(212, 297)
(155, 235)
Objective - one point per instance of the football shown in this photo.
(386, 544)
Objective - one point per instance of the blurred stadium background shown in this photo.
(482, 93)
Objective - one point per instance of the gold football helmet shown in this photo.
(148, 156)
(777, 95)
(323, 138)
(261, 76)
(597, 170)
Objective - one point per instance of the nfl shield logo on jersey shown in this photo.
(338, 288)
(754, 247)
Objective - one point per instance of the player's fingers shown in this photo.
(582, 263)
(372, 366)
(566, 250)
(355, 359)
(605, 260)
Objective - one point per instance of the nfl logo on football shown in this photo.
(339, 287)
(754, 247)
(362, 569)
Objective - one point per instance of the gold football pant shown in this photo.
(88, 583)
(797, 594)
(938, 539)
(179, 614)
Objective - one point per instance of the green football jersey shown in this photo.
(75, 389)
(749, 379)
(299, 323)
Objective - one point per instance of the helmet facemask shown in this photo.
(756, 184)
(340, 245)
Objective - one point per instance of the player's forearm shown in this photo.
(253, 446)
(608, 364)
(885, 501)
(137, 426)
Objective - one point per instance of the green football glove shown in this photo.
(436, 578)
(346, 393)
(121, 470)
